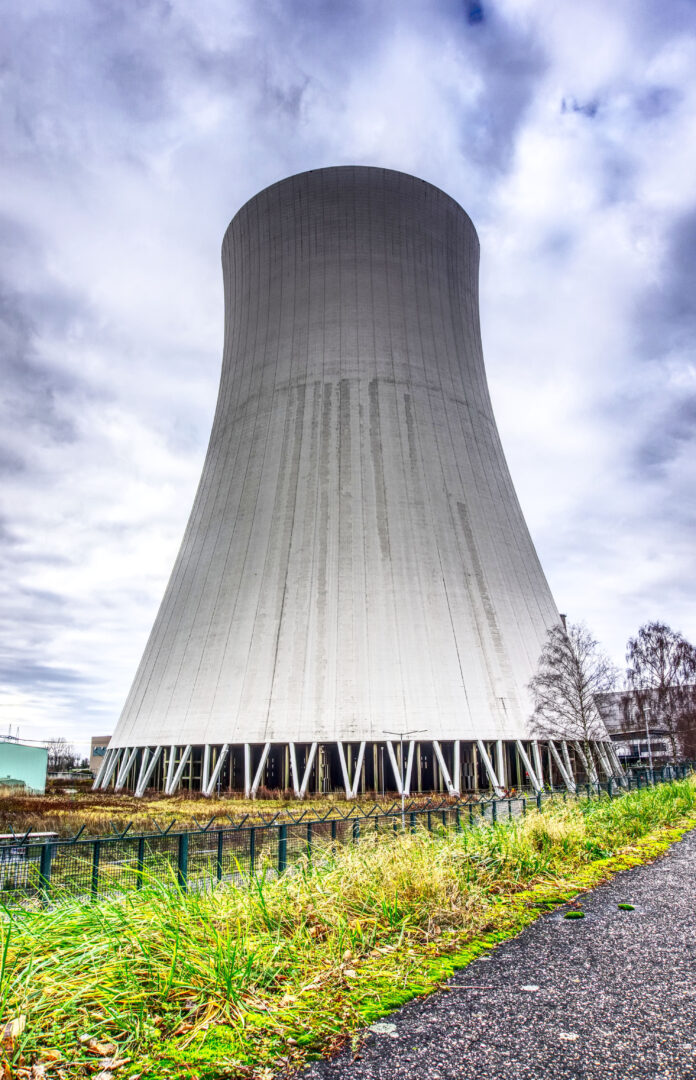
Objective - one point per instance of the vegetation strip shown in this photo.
(240, 982)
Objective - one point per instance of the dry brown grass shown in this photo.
(65, 813)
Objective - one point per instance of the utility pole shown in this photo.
(401, 735)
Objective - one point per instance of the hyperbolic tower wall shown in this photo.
(356, 563)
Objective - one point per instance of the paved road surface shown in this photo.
(616, 996)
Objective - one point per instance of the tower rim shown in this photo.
(324, 169)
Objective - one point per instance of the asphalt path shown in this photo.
(612, 995)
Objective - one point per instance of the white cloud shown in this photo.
(132, 135)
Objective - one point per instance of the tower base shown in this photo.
(355, 769)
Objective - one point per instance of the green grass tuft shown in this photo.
(232, 981)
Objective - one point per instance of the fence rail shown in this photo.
(43, 870)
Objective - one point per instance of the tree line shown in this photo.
(62, 756)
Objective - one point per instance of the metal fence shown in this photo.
(39, 870)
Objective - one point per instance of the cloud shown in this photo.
(130, 136)
(666, 315)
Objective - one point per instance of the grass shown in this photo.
(64, 812)
(242, 982)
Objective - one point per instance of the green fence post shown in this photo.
(252, 849)
(140, 862)
(182, 861)
(524, 806)
(45, 869)
(610, 788)
(471, 813)
(309, 840)
(538, 800)
(457, 820)
(333, 829)
(412, 816)
(96, 851)
(494, 810)
(218, 860)
(356, 829)
(430, 822)
(282, 848)
(483, 809)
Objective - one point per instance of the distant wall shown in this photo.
(97, 751)
(26, 764)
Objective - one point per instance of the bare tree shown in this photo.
(572, 671)
(662, 675)
(61, 754)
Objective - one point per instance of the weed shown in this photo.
(233, 980)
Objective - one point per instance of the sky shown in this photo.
(130, 134)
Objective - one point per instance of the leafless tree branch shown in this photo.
(662, 675)
(572, 670)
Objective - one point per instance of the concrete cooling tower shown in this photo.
(357, 604)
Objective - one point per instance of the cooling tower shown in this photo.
(357, 603)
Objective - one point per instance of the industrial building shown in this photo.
(99, 744)
(357, 604)
(22, 767)
(638, 729)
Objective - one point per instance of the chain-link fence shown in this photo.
(46, 869)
